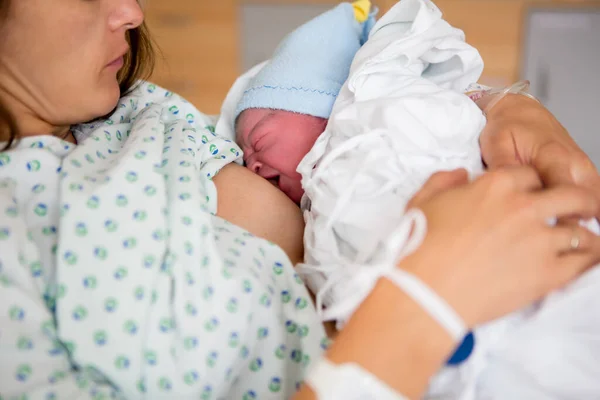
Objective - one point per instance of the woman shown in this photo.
(118, 280)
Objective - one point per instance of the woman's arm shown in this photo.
(394, 339)
(251, 202)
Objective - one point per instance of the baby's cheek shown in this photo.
(284, 161)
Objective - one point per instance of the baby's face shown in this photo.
(274, 142)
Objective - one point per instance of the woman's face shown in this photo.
(59, 59)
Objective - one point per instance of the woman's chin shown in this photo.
(107, 99)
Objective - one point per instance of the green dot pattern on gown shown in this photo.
(118, 280)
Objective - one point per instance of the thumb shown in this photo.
(554, 163)
(585, 174)
(498, 152)
(558, 166)
(499, 148)
(583, 170)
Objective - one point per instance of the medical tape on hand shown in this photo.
(347, 382)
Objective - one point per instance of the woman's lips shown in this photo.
(117, 63)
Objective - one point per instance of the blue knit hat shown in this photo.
(311, 64)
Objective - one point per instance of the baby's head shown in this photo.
(287, 104)
(274, 142)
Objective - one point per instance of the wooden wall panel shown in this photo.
(494, 28)
(199, 44)
(200, 39)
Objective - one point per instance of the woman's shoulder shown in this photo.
(146, 94)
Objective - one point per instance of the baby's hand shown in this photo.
(274, 142)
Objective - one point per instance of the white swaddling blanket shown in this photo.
(400, 117)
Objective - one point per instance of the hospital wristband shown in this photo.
(430, 301)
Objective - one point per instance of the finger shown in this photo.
(513, 178)
(572, 265)
(526, 178)
(585, 174)
(565, 202)
(497, 148)
(582, 168)
(437, 183)
(569, 221)
(592, 183)
(572, 238)
(553, 162)
(559, 166)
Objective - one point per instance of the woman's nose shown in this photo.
(126, 14)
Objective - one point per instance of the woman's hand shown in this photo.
(521, 131)
(489, 249)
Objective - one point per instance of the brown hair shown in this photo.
(139, 64)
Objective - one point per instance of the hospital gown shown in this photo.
(117, 279)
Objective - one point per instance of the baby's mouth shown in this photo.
(274, 181)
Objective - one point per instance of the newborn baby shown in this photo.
(286, 106)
